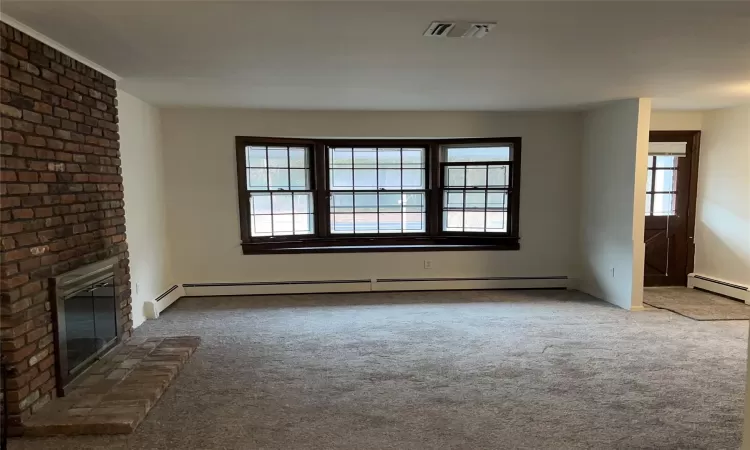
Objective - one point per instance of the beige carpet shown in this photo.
(695, 304)
(429, 370)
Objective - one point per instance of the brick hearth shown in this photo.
(115, 395)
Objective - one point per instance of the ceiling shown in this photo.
(372, 56)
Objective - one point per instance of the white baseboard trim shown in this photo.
(373, 285)
(155, 307)
(718, 286)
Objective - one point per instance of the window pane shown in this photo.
(454, 199)
(389, 178)
(277, 157)
(666, 161)
(278, 179)
(389, 222)
(389, 158)
(664, 204)
(303, 203)
(298, 157)
(476, 176)
(342, 179)
(342, 203)
(255, 156)
(496, 222)
(413, 158)
(342, 223)
(453, 221)
(341, 157)
(414, 223)
(261, 226)
(365, 158)
(666, 180)
(649, 199)
(390, 202)
(366, 179)
(456, 176)
(366, 223)
(649, 180)
(498, 176)
(459, 154)
(283, 224)
(298, 179)
(474, 220)
(497, 201)
(365, 203)
(413, 202)
(412, 178)
(475, 200)
(303, 224)
(256, 180)
(282, 203)
(260, 204)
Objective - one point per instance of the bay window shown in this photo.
(300, 195)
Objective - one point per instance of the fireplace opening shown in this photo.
(86, 319)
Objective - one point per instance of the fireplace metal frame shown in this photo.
(64, 286)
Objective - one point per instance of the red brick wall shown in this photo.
(61, 200)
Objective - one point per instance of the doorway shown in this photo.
(670, 207)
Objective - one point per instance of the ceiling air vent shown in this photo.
(460, 29)
(478, 30)
(439, 29)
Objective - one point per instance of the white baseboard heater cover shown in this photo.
(722, 287)
(162, 302)
(374, 285)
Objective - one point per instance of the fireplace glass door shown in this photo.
(90, 323)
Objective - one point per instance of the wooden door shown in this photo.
(670, 207)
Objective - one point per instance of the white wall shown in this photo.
(722, 228)
(143, 182)
(676, 120)
(615, 148)
(202, 194)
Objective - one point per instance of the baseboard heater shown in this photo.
(163, 301)
(373, 285)
(717, 286)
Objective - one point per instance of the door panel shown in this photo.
(670, 201)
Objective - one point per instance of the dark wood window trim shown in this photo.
(433, 239)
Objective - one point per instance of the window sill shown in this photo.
(375, 245)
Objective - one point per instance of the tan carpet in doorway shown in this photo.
(695, 304)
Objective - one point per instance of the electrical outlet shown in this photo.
(613, 272)
(427, 264)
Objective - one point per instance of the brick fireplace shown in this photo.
(61, 202)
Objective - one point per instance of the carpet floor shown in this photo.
(440, 370)
(695, 304)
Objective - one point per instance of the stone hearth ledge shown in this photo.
(117, 392)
